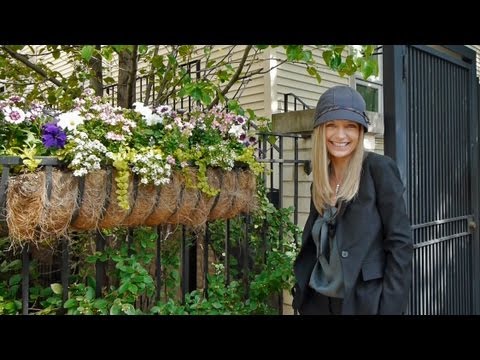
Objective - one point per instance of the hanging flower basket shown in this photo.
(44, 205)
(105, 167)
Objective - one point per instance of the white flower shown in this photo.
(14, 115)
(70, 120)
(148, 115)
(236, 130)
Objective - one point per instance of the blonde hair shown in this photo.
(322, 192)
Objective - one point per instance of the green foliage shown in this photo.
(270, 271)
(173, 77)
(10, 281)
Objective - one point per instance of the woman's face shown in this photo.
(342, 137)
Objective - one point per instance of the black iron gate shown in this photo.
(431, 131)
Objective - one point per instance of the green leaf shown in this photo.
(51, 98)
(87, 52)
(91, 259)
(115, 310)
(56, 53)
(294, 52)
(108, 80)
(15, 279)
(70, 303)
(107, 53)
(196, 93)
(119, 48)
(223, 75)
(90, 293)
(129, 309)
(100, 304)
(338, 49)
(56, 288)
(206, 99)
(368, 50)
(307, 56)
(142, 49)
(311, 70)
(369, 68)
(10, 305)
(185, 50)
(262, 47)
(217, 305)
(335, 61)
(123, 287)
(157, 61)
(133, 289)
(327, 56)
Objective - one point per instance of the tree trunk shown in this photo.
(95, 63)
(127, 62)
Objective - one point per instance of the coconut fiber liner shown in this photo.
(42, 207)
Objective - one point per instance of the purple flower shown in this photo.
(239, 120)
(53, 136)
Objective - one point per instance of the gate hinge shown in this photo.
(472, 225)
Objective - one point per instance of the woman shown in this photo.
(356, 248)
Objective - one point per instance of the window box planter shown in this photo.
(44, 205)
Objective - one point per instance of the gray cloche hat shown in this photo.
(341, 103)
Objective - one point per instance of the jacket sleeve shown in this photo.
(397, 240)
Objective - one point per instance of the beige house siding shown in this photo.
(293, 78)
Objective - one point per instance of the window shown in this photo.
(371, 94)
(371, 89)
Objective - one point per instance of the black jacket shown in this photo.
(374, 241)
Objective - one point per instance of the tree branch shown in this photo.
(234, 78)
(24, 60)
(163, 84)
(151, 77)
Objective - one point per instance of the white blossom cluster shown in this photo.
(220, 156)
(152, 167)
(88, 154)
